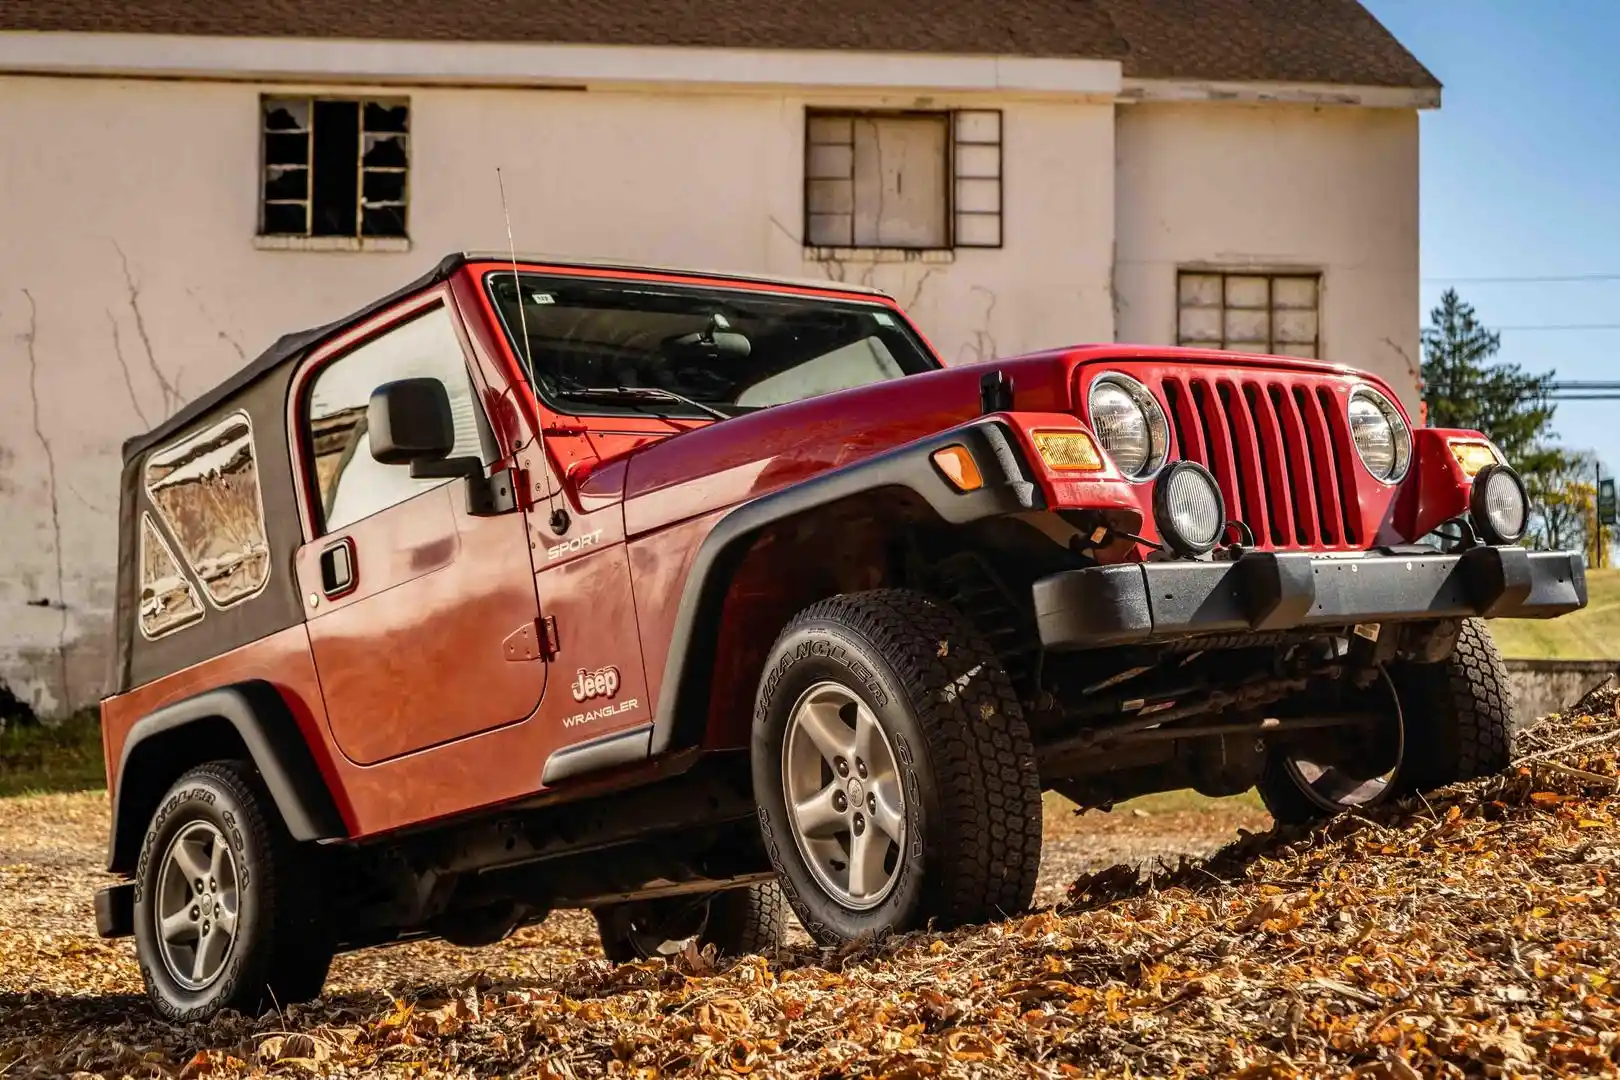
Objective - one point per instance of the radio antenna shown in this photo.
(559, 519)
(517, 286)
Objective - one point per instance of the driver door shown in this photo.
(410, 600)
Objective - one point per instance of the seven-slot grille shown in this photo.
(1279, 449)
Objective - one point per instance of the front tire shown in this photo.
(224, 912)
(895, 775)
(737, 922)
(1452, 721)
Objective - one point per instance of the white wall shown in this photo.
(1279, 187)
(129, 281)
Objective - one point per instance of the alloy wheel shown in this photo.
(844, 795)
(197, 905)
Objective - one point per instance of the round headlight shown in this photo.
(1188, 508)
(1380, 434)
(1130, 425)
(1498, 504)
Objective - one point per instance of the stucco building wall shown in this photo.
(131, 279)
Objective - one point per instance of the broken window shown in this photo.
(168, 601)
(206, 491)
(1259, 313)
(335, 167)
(903, 180)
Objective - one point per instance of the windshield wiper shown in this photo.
(638, 393)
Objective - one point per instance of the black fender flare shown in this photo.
(1009, 488)
(265, 725)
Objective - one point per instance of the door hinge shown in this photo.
(532, 641)
(550, 646)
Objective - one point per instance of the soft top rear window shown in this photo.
(730, 350)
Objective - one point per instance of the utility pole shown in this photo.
(1598, 547)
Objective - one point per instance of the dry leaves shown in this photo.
(1471, 933)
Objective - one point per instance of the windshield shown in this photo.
(731, 350)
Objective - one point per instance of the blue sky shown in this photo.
(1521, 178)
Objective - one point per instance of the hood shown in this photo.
(722, 464)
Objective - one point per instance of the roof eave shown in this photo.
(1286, 93)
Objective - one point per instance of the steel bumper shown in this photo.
(1135, 603)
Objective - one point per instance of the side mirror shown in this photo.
(409, 421)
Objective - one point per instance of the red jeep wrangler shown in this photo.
(690, 598)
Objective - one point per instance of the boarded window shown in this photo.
(206, 490)
(168, 600)
(1263, 313)
(903, 180)
(353, 484)
(335, 167)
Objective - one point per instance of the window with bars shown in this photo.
(912, 180)
(1262, 313)
(335, 167)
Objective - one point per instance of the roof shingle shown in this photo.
(1318, 41)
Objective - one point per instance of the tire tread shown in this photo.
(292, 961)
(989, 785)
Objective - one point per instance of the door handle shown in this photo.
(337, 569)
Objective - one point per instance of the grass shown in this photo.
(37, 758)
(1593, 633)
(1170, 802)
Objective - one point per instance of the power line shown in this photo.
(1532, 279)
(1562, 326)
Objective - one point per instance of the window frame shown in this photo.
(950, 119)
(150, 520)
(358, 240)
(301, 446)
(165, 528)
(509, 334)
(1317, 277)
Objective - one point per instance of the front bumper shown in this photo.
(1136, 603)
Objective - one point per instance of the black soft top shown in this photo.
(289, 347)
(286, 348)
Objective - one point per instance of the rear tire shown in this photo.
(226, 912)
(737, 922)
(939, 769)
(1456, 720)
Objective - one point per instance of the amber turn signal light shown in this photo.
(1473, 455)
(959, 468)
(1068, 450)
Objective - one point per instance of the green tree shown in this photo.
(1563, 498)
(1465, 387)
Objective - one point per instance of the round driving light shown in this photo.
(1380, 433)
(1130, 424)
(1498, 504)
(1188, 508)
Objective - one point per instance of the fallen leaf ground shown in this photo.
(1472, 933)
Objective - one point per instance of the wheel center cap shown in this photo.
(855, 791)
(207, 905)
